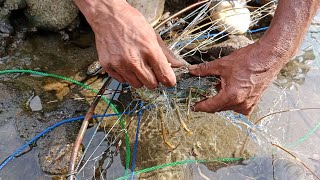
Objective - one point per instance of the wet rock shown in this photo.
(35, 104)
(14, 4)
(220, 50)
(151, 9)
(227, 47)
(56, 158)
(56, 146)
(51, 15)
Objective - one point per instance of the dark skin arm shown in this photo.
(246, 73)
(128, 48)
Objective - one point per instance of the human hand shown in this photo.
(129, 50)
(244, 74)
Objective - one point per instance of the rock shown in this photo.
(151, 9)
(35, 104)
(51, 15)
(220, 50)
(227, 47)
(14, 4)
(231, 17)
(56, 158)
(55, 147)
(1, 2)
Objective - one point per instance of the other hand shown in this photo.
(244, 74)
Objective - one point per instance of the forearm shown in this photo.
(98, 11)
(288, 28)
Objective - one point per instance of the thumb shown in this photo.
(175, 61)
(213, 104)
(206, 68)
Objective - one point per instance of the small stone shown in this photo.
(35, 104)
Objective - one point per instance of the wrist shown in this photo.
(100, 11)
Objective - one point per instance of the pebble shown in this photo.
(35, 104)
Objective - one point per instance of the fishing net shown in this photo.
(155, 135)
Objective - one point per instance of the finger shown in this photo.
(242, 108)
(161, 67)
(132, 79)
(174, 60)
(147, 76)
(212, 104)
(206, 68)
(115, 75)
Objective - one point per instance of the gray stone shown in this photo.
(35, 104)
(51, 15)
(14, 4)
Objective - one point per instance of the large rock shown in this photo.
(51, 15)
(151, 9)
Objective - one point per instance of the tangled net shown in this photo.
(161, 119)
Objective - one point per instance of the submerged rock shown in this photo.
(55, 147)
(56, 158)
(51, 15)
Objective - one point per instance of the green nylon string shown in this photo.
(128, 151)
